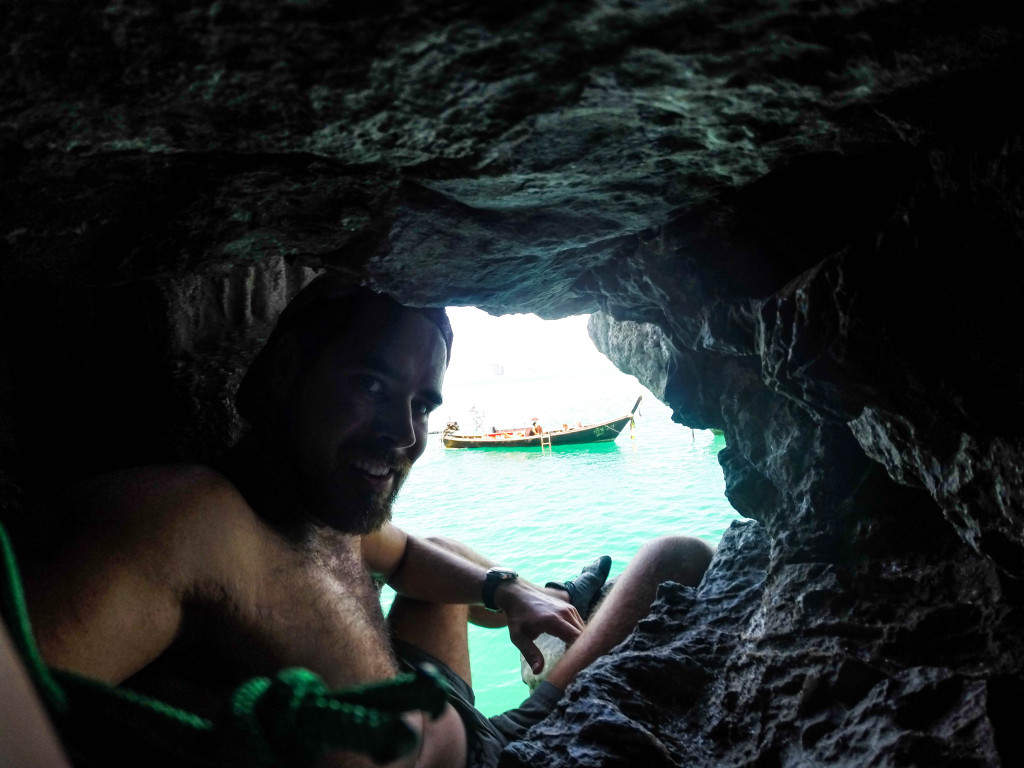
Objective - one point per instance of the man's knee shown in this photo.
(683, 559)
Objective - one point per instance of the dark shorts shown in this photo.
(486, 737)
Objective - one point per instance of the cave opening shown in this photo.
(549, 510)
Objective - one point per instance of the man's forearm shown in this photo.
(434, 573)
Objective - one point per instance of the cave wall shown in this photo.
(799, 222)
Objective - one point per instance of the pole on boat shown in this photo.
(632, 421)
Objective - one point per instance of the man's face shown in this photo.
(356, 417)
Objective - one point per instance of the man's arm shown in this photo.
(419, 569)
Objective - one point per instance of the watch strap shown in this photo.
(495, 578)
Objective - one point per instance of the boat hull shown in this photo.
(592, 433)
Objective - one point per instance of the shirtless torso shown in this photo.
(203, 570)
(182, 592)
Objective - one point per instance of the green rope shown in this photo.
(108, 725)
(287, 721)
(14, 611)
(292, 719)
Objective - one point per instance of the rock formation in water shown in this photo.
(798, 221)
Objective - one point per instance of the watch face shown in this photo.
(501, 574)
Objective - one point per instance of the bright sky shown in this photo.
(520, 343)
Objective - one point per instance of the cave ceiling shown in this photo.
(828, 192)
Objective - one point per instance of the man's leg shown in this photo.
(442, 632)
(441, 629)
(673, 558)
(437, 629)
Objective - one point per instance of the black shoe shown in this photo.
(586, 588)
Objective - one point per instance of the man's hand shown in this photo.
(531, 612)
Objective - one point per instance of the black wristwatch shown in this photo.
(495, 577)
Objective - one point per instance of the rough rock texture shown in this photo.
(819, 204)
(640, 349)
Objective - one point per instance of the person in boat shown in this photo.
(183, 581)
(536, 429)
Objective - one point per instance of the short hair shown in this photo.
(317, 315)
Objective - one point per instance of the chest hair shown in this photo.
(313, 606)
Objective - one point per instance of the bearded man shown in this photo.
(183, 581)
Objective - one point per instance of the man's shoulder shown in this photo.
(161, 495)
(188, 514)
(164, 473)
(180, 482)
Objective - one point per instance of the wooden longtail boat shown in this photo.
(523, 437)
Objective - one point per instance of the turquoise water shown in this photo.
(545, 513)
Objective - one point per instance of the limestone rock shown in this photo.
(640, 349)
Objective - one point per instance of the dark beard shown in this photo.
(377, 511)
(272, 495)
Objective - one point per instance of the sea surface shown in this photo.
(548, 512)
